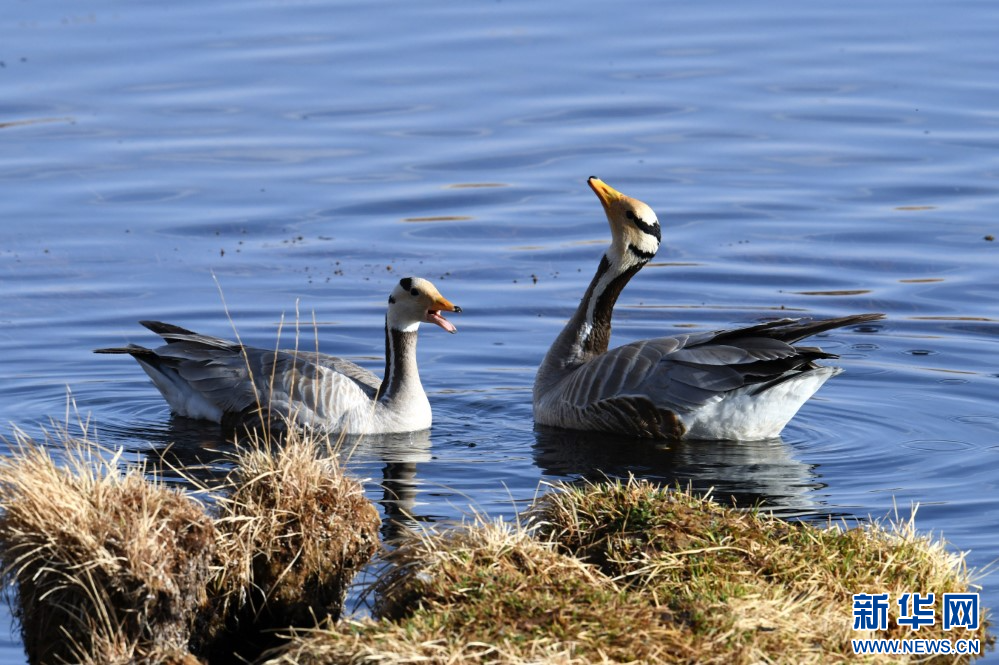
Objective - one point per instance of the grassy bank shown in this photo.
(107, 564)
(632, 573)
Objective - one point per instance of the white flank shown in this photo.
(753, 417)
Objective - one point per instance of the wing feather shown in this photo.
(684, 372)
(237, 379)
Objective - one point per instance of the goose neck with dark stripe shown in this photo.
(402, 376)
(635, 238)
(587, 333)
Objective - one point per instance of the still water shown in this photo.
(286, 160)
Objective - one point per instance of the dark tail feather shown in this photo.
(165, 329)
(798, 331)
(792, 330)
(131, 349)
(175, 334)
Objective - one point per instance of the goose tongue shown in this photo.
(434, 316)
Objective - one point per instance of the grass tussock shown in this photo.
(748, 583)
(107, 566)
(628, 572)
(493, 593)
(294, 530)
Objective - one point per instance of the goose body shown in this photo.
(238, 386)
(742, 384)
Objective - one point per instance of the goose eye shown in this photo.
(630, 215)
(414, 292)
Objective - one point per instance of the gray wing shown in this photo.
(237, 380)
(684, 372)
(309, 384)
(678, 373)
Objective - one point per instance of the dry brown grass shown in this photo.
(108, 566)
(492, 593)
(628, 572)
(294, 530)
(750, 584)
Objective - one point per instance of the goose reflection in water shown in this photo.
(765, 473)
(178, 450)
(398, 454)
(183, 449)
(748, 473)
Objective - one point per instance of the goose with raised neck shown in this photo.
(741, 384)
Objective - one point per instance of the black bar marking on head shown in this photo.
(651, 229)
(641, 254)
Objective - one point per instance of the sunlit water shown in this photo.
(292, 160)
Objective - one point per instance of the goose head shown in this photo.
(633, 224)
(414, 301)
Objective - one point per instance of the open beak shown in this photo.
(604, 192)
(434, 314)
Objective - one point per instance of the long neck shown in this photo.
(401, 376)
(587, 334)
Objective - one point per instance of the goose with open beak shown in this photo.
(225, 382)
(742, 384)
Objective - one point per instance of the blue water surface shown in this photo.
(251, 165)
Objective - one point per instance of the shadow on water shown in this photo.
(180, 450)
(747, 473)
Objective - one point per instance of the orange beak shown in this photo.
(604, 192)
(434, 314)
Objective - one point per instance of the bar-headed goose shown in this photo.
(731, 384)
(238, 386)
